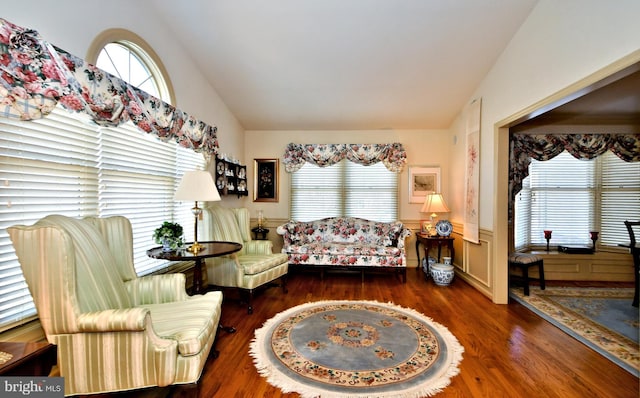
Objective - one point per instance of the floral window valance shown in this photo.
(35, 76)
(524, 147)
(393, 155)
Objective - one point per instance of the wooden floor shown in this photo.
(509, 351)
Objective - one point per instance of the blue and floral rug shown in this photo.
(601, 318)
(355, 349)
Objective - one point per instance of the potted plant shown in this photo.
(169, 234)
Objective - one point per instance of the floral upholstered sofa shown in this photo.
(346, 243)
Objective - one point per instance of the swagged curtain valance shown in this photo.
(35, 76)
(524, 147)
(393, 155)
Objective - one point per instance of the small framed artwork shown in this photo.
(265, 180)
(425, 227)
(422, 181)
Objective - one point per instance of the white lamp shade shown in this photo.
(197, 185)
(434, 203)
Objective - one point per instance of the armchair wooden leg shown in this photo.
(249, 302)
(191, 390)
(228, 329)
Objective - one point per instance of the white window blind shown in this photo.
(65, 165)
(620, 198)
(46, 167)
(344, 189)
(571, 197)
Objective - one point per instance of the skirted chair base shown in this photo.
(252, 267)
(114, 331)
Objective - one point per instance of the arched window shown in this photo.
(120, 59)
(127, 56)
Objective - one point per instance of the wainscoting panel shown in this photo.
(477, 264)
(601, 266)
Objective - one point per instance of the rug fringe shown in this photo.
(288, 385)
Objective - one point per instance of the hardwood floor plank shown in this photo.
(509, 351)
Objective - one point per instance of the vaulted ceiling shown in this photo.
(345, 64)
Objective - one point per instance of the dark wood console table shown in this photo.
(433, 241)
(211, 249)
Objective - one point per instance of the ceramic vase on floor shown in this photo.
(442, 274)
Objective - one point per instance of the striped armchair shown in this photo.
(253, 266)
(114, 330)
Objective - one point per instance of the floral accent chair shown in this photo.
(255, 265)
(114, 330)
(346, 242)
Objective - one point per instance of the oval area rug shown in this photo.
(355, 349)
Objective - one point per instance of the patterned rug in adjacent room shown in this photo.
(355, 349)
(601, 318)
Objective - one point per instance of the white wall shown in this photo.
(560, 43)
(73, 25)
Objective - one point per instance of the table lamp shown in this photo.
(197, 185)
(434, 203)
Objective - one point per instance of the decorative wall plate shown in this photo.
(220, 168)
(444, 228)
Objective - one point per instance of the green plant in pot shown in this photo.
(169, 234)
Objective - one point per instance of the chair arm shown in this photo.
(258, 247)
(159, 353)
(119, 320)
(156, 289)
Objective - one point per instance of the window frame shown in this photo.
(143, 50)
(602, 191)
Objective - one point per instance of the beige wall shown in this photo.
(424, 147)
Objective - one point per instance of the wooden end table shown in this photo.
(29, 359)
(210, 249)
(433, 241)
(260, 233)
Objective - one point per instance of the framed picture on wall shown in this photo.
(265, 180)
(423, 180)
